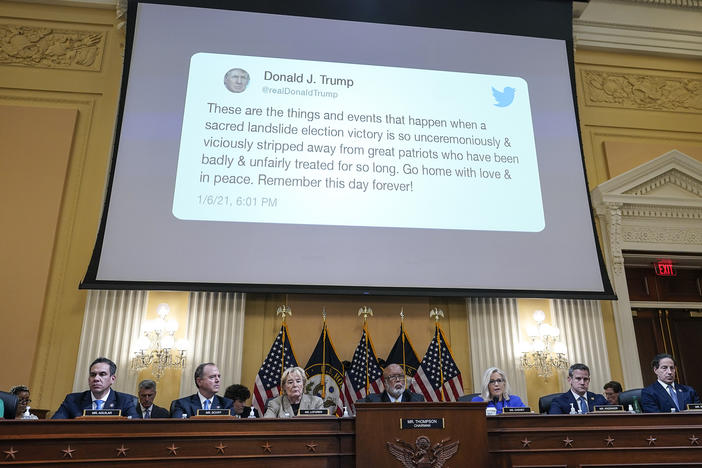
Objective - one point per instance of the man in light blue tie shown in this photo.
(101, 376)
(577, 397)
(664, 395)
(207, 381)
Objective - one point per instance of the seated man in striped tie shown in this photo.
(207, 381)
(394, 379)
(664, 395)
(100, 396)
(577, 399)
(146, 408)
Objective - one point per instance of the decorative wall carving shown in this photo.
(648, 234)
(649, 211)
(637, 91)
(673, 177)
(613, 219)
(35, 46)
(672, 3)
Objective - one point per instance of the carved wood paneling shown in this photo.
(643, 92)
(46, 47)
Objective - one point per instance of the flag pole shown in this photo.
(324, 353)
(366, 311)
(438, 314)
(402, 335)
(284, 311)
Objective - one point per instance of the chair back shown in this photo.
(545, 402)
(626, 398)
(10, 403)
(468, 397)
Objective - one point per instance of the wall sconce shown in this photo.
(543, 352)
(157, 347)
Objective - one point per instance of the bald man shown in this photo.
(395, 391)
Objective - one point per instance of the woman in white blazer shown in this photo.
(293, 397)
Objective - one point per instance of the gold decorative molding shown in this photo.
(645, 92)
(34, 46)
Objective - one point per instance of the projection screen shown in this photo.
(258, 151)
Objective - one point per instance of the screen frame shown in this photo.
(452, 15)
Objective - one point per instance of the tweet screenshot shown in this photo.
(269, 140)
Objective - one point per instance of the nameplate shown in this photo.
(608, 408)
(521, 409)
(314, 412)
(102, 412)
(423, 423)
(214, 412)
(694, 406)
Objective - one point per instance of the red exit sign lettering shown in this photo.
(664, 268)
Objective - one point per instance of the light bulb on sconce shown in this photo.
(157, 348)
(542, 352)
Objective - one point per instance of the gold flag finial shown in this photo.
(324, 313)
(402, 314)
(366, 312)
(284, 311)
(437, 313)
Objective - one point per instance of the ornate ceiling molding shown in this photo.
(661, 27)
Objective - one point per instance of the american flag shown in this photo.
(365, 375)
(438, 377)
(280, 357)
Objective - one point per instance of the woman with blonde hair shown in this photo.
(496, 391)
(292, 398)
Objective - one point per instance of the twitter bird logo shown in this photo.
(503, 98)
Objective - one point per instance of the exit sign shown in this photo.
(664, 268)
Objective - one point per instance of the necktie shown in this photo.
(674, 396)
(207, 404)
(583, 405)
(98, 404)
(147, 414)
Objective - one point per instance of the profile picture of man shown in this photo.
(236, 80)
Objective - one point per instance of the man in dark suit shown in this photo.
(394, 379)
(207, 380)
(100, 396)
(146, 408)
(577, 397)
(664, 395)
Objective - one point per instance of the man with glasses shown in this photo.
(664, 395)
(577, 399)
(395, 382)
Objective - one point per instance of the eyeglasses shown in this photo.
(492, 382)
(24, 402)
(396, 377)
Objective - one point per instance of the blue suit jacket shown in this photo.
(655, 399)
(513, 402)
(74, 404)
(561, 404)
(190, 404)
